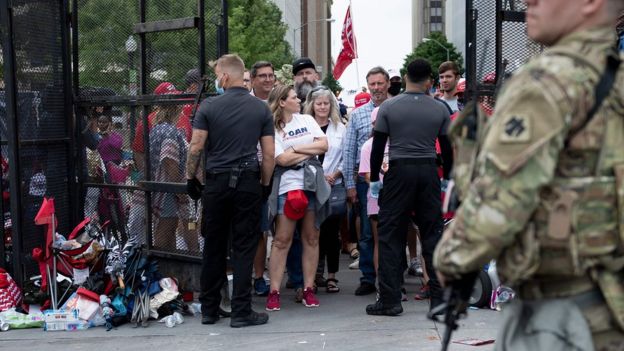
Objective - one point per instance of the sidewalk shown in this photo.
(340, 323)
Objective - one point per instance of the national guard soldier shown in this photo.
(546, 194)
(227, 129)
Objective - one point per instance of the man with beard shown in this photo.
(306, 77)
(449, 77)
(359, 130)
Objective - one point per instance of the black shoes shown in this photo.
(254, 318)
(365, 289)
(378, 309)
(206, 319)
(223, 313)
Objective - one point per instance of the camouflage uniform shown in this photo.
(542, 200)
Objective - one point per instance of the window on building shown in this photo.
(436, 27)
(435, 3)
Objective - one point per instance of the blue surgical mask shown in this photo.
(218, 88)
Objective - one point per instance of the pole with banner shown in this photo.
(349, 46)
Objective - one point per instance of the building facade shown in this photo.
(455, 25)
(291, 16)
(427, 16)
(309, 29)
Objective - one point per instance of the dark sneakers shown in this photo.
(365, 289)
(378, 309)
(206, 319)
(254, 318)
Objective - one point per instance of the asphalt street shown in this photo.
(340, 323)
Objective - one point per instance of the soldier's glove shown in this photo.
(375, 188)
(194, 188)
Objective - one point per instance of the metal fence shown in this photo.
(75, 71)
(496, 44)
(139, 69)
(36, 128)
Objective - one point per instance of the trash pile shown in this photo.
(89, 279)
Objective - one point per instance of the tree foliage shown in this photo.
(104, 27)
(434, 53)
(332, 83)
(256, 32)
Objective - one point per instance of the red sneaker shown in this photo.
(309, 299)
(273, 301)
(423, 294)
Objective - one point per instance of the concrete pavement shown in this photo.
(340, 323)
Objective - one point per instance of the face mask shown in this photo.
(218, 88)
(395, 88)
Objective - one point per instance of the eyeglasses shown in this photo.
(266, 76)
(246, 80)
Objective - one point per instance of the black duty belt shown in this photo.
(224, 174)
(412, 162)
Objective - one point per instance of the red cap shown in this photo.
(461, 85)
(165, 88)
(362, 99)
(296, 204)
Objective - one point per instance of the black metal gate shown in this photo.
(138, 61)
(36, 124)
(496, 45)
(66, 61)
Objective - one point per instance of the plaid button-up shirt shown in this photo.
(359, 130)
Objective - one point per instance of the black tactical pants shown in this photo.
(411, 189)
(236, 211)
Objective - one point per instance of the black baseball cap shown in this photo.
(192, 76)
(302, 63)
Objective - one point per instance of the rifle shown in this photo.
(455, 305)
(457, 294)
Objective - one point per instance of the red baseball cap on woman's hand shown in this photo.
(296, 204)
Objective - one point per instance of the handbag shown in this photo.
(338, 200)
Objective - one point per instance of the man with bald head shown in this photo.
(226, 132)
(544, 195)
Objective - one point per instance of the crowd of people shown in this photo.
(315, 162)
(313, 171)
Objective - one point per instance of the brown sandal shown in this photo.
(332, 285)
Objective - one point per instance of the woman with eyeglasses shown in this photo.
(322, 105)
(299, 192)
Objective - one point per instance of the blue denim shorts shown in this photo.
(282, 199)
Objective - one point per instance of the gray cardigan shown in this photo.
(313, 181)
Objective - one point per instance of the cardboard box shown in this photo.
(62, 320)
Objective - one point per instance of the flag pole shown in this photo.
(357, 67)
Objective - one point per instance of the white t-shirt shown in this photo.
(452, 104)
(301, 130)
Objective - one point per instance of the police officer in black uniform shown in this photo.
(226, 131)
(411, 121)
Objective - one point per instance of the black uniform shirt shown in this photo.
(412, 122)
(235, 121)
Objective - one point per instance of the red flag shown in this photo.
(349, 46)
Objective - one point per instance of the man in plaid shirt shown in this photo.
(359, 130)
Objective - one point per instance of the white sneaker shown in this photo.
(355, 264)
